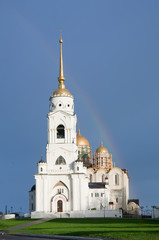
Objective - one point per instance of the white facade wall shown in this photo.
(64, 186)
(77, 195)
(104, 214)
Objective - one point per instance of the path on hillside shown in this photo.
(22, 236)
(21, 226)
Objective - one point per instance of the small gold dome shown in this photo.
(81, 141)
(61, 92)
(102, 149)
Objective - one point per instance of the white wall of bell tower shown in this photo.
(62, 121)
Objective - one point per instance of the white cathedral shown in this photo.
(73, 181)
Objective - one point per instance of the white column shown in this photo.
(75, 193)
(69, 136)
(66, 135)
(45, 193)
(53, 136)
(49, 136)
(37, 195)
(39, 198)
(48, 132)
(81, 193)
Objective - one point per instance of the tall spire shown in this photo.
(61, 91)
(61, 77)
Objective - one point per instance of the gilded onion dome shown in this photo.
(61, 91)
(102, 149)
(81, 141)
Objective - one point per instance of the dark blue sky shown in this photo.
(111, 66)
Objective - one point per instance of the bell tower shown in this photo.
(61, 140)
(61, 181)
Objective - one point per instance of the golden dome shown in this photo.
(61, 92)
(81, 141)
(102, 149)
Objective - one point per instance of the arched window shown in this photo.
(103, 178)
(60, 131)
(90, 177)
(117, 179)
(60, 161)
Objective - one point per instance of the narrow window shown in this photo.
(41, 169)
(103, 178)
(59, 191)
(102, 194)
(62, 190)
(61, 131)
(90, 177)
(117, 179)
(77, 168)
(117, 200)
(91, 194)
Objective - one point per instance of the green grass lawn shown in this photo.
(140, 229)
(4, 224)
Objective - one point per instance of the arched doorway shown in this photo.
(59, 206)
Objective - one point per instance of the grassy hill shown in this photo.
(137, 229)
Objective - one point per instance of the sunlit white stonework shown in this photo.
(71, 182)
